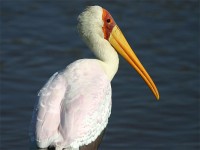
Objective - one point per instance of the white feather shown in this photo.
(75, 104)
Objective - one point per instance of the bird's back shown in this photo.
(73, 106)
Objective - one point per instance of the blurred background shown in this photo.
(39, 38)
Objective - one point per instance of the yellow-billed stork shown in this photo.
(75, 104)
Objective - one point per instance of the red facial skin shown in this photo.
(108, 25)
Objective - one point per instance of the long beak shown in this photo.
(119, 42)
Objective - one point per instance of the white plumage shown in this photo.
(74, 105)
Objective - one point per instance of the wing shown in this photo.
(86, 106)
(46, 115)
(73, 107)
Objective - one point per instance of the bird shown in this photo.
(74, 105)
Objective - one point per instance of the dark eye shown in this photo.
(108, 20)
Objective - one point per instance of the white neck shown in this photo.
(90, 28)
(106, 54)
(111, 65)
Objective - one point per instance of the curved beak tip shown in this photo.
(158, 97)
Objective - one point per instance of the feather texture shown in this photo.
(73, 107)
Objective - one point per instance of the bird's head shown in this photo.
(95, 22)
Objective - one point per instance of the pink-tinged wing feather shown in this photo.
(87, 104)
(46, 117)
(74, 106)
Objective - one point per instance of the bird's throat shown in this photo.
(109, 60)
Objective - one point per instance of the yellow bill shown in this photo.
(119, 42)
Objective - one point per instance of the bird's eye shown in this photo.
(108, 20)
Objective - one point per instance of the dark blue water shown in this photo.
(39, 38)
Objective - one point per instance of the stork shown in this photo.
(74, 105)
